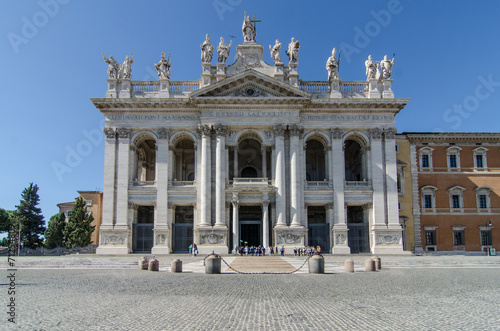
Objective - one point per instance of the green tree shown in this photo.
(29, 217)
(5, 219)
(78, 229)
(54, 236)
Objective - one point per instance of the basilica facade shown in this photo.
(250, 154)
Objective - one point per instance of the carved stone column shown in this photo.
(236, 228)
(220, 177)
(122, 178)
(108, 210)
(264, 161)
(205, 176)
(265, 221)
(279, 131)
(235, 163)
(378, 177)
(340, 243)
(295, 182)
(388, 237)
(161, 229)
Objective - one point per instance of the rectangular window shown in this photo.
(428, 201)
(486, 237)
(430, 237)
(425, 161)
(458, 238)
(453, 161)
(482, 201)
(456, 201)
(88, 202)
(479, 161)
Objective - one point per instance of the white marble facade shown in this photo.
(250, 153)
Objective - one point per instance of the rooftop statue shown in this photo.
(372, 71)
(386, 67)
(293, 51)
(223, 50)
(207, 50)
(126, 69)
(332, 65)
(163, 67)
(276, 52)
(113, 66)
(248, 29)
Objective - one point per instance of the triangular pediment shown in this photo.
(250, 84)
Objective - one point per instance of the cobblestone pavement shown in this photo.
(462, 295)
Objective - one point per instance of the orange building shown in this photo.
(93, 202)
(456, 186)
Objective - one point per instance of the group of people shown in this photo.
(258, 250)
(310, 250)
(193, 249)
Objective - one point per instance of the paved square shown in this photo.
(395, 298)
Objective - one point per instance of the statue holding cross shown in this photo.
(248, 29)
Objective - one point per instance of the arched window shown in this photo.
(355, 169)
(315, 161)
(145, 159)
(183, 163)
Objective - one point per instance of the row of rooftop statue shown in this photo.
(124, 71)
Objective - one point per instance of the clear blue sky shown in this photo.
(51, 64)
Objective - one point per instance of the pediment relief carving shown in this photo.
(250, 84)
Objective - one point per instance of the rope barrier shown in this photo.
(257, 272)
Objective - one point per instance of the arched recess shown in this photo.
(183, 161)
(144, 157)
(316, 160)
(250, 157)
(355, 157)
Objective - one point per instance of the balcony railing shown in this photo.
(250, 182)
(143, 183)
(358, 185)
(183, 183)
(318, 184)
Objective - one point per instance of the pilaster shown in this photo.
(265, 220)
(279, 131)
(296, 185)
(122, 178)
(220, 177)
(205, 171)
(161, 228)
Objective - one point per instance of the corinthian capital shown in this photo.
(204, 130)
(220, 129)
(162, 133)
(109, 132)
(279, 130)
(295, 130)
(376, 133)
(336, 133)
(390, 133)
(123, 133)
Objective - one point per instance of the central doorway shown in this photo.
(250, 218)
(250, 233)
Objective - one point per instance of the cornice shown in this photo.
(456, 137)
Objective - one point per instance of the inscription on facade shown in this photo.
(252, 114)
(347, 118)
(153, 117)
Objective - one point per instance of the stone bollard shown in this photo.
(369, 265)
(176, 266)
(143, 263)
(317, 264)
(154, 265)
(212, 264)
(349, 265)
(378, 263)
